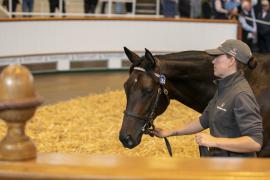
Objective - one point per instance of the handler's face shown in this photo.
(221, 66)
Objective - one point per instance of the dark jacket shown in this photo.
(262, 28)
(233, 113)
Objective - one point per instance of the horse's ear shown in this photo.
(150, 58)
(133, 57)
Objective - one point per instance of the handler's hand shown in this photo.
(161, 133)
(205, 140)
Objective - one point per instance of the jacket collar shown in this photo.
(229, 80)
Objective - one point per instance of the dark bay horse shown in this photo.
(189, 80)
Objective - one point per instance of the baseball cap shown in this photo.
(236, 48)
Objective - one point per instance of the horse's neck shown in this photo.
(189, 82)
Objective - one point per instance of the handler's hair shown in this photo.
(252, 63)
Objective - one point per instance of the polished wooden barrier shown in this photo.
(94, 18)
(77, 166)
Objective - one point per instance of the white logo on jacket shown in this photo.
(221, 107)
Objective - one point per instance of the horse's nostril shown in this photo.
(129, 141)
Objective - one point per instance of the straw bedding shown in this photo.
(91, 125)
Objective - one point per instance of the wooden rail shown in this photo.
(67, 166)
(94, 18)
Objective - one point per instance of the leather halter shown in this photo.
(149, 126)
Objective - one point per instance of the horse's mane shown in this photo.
(184, 55)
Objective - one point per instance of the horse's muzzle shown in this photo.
(127, 141)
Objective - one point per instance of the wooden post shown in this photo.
(18, 103)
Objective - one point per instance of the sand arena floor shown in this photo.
(91, 125)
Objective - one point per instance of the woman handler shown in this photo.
(233, 115)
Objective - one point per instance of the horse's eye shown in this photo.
(148, 90)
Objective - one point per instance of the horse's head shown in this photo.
(146, 97)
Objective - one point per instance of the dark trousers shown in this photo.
(90, 6)
(129, 7)
(103, 5)
(169, 8)
(27, 6)
(264, 43)
(206, 10)
(55, 4)
(184, 8)
(14, 4)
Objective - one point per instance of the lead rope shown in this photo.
(204, 152)
(168, 145)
